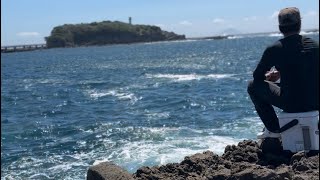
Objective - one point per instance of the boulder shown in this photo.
(107, 171)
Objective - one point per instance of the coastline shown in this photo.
(218, 37)
(247, 160)
(94, 45)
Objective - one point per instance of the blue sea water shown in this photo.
(63, 110)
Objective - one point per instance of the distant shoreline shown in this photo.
(218, 37)
(250, 34)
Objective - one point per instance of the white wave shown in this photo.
(275, 35)
(234, 37)
(173, 144)
(220, 76)
(247, 127)
(9, 177)
(308, 33)
(172, 150)
(92, 81)
(29, 82)
(51, 81)
(193, 104)
(301, 33)
(32, 168)
(67, 166)
(62, 104)
(175, 41)
(176, 143)
(189, 77)
(40, 176)
(86, 131)
(95, 94)
(81, 143)
(158, 115)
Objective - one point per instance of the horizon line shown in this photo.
(194, 37)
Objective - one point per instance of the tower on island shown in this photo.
(130, 20)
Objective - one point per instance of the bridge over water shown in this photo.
(25, 47)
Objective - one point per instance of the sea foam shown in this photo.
(189, 77)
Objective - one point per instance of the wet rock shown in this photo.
(107, 171)
(246, 151)
(255, 172)
(284, 172)
(306, 164)
(246, 161)
(297, 157)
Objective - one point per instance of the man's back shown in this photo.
(299, 67)
(297, 59)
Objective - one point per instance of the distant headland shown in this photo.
(106, 32)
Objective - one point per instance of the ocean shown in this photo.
(66, 109)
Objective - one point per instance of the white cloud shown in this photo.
(28, 34)
(218, 21)
(160, 25)
(185, 23)
(274, 15)
(252, 18)
(312, 14)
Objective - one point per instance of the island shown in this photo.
(106, 32)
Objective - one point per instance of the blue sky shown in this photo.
(29, 21)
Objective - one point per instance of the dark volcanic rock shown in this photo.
(246, 151)
(244, 161)
(248, 171)
(107, 171)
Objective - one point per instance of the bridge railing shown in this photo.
(25, 47)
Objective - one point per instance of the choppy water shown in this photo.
(63, 110)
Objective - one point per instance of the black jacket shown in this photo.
(297, 59)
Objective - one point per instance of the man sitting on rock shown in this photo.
(297, 58)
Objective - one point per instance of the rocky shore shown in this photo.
(245, 161)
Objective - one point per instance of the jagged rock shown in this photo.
(248, 171)
(297, 157)
(284, 172)
(107, 171)
(244, 161)
(306, 164)
(246, 151)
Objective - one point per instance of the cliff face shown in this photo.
(106, 32)
(246, 161)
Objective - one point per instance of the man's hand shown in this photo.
(272, 75)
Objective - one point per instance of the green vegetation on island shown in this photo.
(106, 32)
